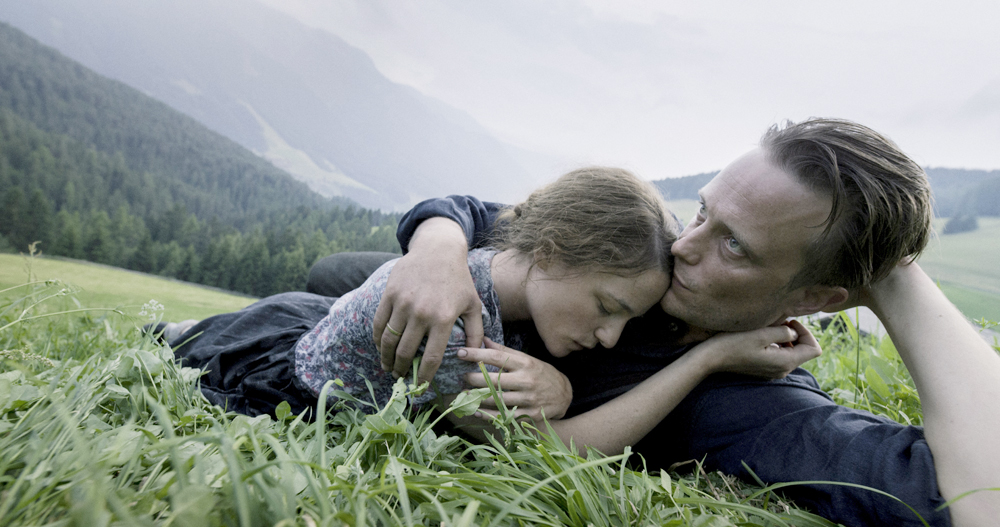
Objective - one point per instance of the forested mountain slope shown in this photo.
(96, 170)
(299, 96)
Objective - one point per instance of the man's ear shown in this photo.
(816, 298)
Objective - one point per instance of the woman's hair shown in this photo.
(592, 219)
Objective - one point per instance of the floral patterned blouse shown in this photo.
(341, 346)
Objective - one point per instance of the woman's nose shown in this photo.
(609, 334)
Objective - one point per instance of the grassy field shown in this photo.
(108, 287)
(100, 427)
(967, 265)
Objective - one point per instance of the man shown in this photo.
(826, 214)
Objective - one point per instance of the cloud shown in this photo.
(674, 88)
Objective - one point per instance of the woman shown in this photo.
(579, 259)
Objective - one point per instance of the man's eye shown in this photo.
(602, 309)
(734, 246)
(701, 208)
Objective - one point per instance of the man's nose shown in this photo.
(686, 246)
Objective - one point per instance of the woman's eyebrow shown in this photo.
(624, 305)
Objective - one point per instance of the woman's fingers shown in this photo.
(528, 383)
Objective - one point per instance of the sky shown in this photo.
(674, 88)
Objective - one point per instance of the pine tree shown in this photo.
(98, 246)
(69, 240)
(254, 263)
(144, 257)
(38, 219)
(12, 218)
(190, 269)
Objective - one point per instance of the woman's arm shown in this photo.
(771, 352)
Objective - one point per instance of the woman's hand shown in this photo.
(771, 352)
(530, 384)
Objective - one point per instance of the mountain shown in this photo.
(300, 97)
(209, 174)
(93, 169)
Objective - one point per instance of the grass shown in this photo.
(99, 286)
(972, 303)
(100, 427)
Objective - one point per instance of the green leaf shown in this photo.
(192, 506)
(283, 410)
(378, 424)
(467, 402)
(876, 383)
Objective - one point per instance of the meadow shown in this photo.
(99, 427)
(101, 286)
(965, 265)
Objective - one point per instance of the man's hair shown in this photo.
(592, 219)
(882, 205)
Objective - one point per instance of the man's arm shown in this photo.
(428, 290)
(957, 376)
(430, 287)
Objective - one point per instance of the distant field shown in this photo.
(685, 209)
(967, 265)
(103, 286)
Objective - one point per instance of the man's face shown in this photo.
(733, 261)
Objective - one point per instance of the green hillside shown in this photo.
(206, 173)
(99, 286)
(96, 170)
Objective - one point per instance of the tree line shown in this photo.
(81, 203)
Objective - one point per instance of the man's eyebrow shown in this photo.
(747, 248)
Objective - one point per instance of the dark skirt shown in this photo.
(249, 355)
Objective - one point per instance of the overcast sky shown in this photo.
(676, 88)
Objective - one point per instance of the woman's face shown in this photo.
(574, 311)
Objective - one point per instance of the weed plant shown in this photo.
(99, 426)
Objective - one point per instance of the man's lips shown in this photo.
(678, 281)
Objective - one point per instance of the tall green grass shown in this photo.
(100, 427)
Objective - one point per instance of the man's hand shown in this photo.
(428, 290)
(530, 384)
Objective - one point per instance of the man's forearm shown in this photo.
(957, 376)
